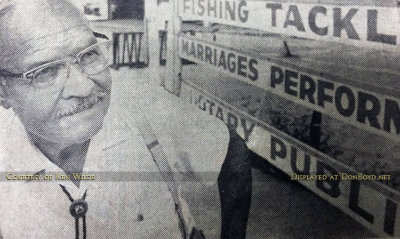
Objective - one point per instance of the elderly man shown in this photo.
(54, 75)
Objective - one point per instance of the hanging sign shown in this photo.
(361, 196)
(375, 112)
(355, 24)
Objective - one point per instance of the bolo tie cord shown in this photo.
(64, 189)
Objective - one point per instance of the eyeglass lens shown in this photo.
(92, 61)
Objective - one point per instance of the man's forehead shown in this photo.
(62, 45)
(30, 21)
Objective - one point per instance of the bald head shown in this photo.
(26, 21)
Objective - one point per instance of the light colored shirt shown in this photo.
(119, 208)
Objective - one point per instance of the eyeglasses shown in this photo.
(91, 60)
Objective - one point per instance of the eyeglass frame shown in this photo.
(29, 78)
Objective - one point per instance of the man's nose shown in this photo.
(78, 83)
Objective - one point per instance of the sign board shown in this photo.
(370, 203)
(355, 24)
(373, 111)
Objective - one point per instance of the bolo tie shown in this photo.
(77, 210)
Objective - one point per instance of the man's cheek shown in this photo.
(42, 111)
(104, 79)
(25, 101)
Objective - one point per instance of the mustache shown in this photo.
(82, 104)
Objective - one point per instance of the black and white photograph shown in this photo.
(199, 119)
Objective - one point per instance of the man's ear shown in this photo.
(3, 94)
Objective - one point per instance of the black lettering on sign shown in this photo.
(220, 114)
(220, 10)
(242, 67)
(293, 162)
(253, 70)
(330, 187)
(322, 31)
(340, 23)
(278, 148)
(289, 75)
(222, 61)
(390, 217)
(276, 76)
(379, 113)
(373, 35)
(201, 7)
(200, 52)
(231, 63)
(243, 14)
(232, 120)
(185, 7)
(353, 202)
(296, 21)
(307, 88)
(371, 114)
(201, 103)
(212, 8)
(215, 57)
(274, 7)
(230, 10)
(392, 113)
(247, 130)
(322, 96)
(342, 91)
(208, 55)
(210, 106)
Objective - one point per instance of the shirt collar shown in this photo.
(113, 132)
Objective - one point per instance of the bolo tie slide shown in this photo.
(78, 210)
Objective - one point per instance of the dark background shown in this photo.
(126, 9)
